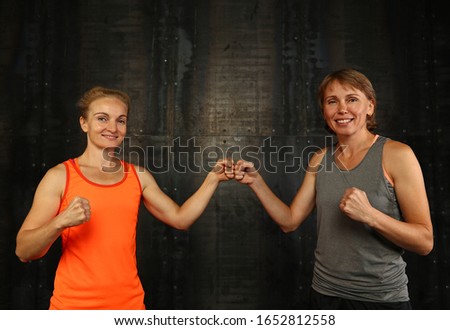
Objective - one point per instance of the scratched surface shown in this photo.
(213, 79)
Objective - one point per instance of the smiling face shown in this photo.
(106, 122)
(345, 108)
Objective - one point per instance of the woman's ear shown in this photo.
(83, 124)
(371, 108)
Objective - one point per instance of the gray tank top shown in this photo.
(352, 261)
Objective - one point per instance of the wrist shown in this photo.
(212, 178)
(257, 182)
(371, 217)
(59, 223)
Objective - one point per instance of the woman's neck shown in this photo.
(355, 143)
(104, 159)
(352, 150)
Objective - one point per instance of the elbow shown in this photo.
(22, 257)
(426, 248)
(288, 229)
(181, 227)
(288, 225)
(424, 252)
(24, 260)
(25, 256)
(429, 243)
(20, 250)
(20, 254)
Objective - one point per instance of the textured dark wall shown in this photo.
(217, 78)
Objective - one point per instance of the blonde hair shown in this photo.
(356, 80)
(98, 92)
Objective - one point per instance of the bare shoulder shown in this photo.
(50, 189)
(399, 159)
(316, 160)
(55, 178)
(58, 171)
(145, 177)
(141, 171)
(47, 197)
(395, 151)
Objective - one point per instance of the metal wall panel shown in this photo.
(218, 77)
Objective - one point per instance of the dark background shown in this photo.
(217, 75)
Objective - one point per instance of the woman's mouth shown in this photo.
(344, 121)
(109, 137)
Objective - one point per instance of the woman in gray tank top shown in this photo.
(370, 199)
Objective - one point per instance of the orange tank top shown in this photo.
(98, 269)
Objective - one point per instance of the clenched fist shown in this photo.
(356, 205)
(76, 213)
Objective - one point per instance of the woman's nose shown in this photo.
(112, 126)
(342, 107)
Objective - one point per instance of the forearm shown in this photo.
(277, 209)
(413, 237)
(33, 244)
(195, 205)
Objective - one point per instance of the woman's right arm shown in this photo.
(42, 226)
(289, 218)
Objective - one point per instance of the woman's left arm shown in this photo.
(415, 234)
(168, 211)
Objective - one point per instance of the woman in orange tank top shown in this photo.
(92, 202)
